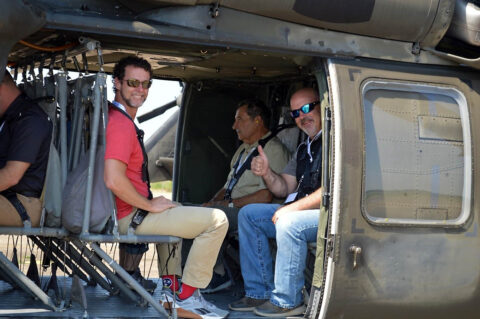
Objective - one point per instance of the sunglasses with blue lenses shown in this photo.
(307, 108)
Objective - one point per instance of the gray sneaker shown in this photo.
(195, 304)
(268, 309)
(246, 304)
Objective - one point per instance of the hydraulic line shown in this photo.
(48, 49)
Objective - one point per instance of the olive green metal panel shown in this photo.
(409, 269)
(318, 275)
(427, 21)
(383, 19)
(323, 220)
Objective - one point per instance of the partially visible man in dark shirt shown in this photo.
(25, 134)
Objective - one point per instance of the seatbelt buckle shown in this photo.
(137, 219)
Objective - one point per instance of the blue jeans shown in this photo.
(292, 231)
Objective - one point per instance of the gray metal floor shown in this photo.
(18, 304)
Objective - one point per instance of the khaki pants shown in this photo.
(207, 226)
(10, 217)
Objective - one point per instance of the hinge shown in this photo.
(326, 200)
(330, 245)
(215, 10)
(416, 48)
(328, 113)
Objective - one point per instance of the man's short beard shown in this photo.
(129, 103)
(305, 120)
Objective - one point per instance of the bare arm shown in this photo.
(311, 201)
(260, 196)
(118, 182)
(279, 185)
(217, 197)
(12, 173)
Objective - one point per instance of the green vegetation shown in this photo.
(162, 186)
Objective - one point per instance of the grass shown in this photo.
(162, 186)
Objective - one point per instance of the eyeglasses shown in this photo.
(307, 108)
(134, 83)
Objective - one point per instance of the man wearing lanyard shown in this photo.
(126, 176)
(293, 224)
(25, 134)
(242, 187)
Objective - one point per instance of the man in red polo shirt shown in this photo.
(126, 176)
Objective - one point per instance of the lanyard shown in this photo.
(120, 106)
(242, 162)
(1, 126)
(309, 143)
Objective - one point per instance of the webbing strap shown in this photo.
(140, 214)
(13, 199)
(246, 164)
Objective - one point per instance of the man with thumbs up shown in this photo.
(293, 224)
(252, 122)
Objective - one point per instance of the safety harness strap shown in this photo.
(246, 165)
(140, 214)
(13, 199)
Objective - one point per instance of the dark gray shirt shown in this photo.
(25, 136)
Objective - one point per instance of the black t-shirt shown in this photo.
(25, 136)
(309, 174)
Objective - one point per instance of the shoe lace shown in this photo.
(205, 304)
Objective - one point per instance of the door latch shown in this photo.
(356, 251)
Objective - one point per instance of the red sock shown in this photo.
(171, 282)
(186, 292)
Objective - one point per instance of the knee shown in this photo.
(220, 219)
(286, 225)
(245, 214)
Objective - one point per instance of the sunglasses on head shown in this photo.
(134, 83)
(307, 108)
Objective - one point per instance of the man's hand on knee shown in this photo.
(160, 204)
(282, 210)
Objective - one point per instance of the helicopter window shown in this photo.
(417, 154)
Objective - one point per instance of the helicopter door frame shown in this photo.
(392, 267)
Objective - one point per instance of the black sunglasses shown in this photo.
(134, 83)
(307, 108)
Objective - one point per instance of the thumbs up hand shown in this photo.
(259, 164)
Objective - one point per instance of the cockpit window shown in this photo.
(417, 154)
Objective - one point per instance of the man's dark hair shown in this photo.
(119, 69)
(256, 107)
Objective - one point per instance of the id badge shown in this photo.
(291, 197)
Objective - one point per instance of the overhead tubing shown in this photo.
(48, 49)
